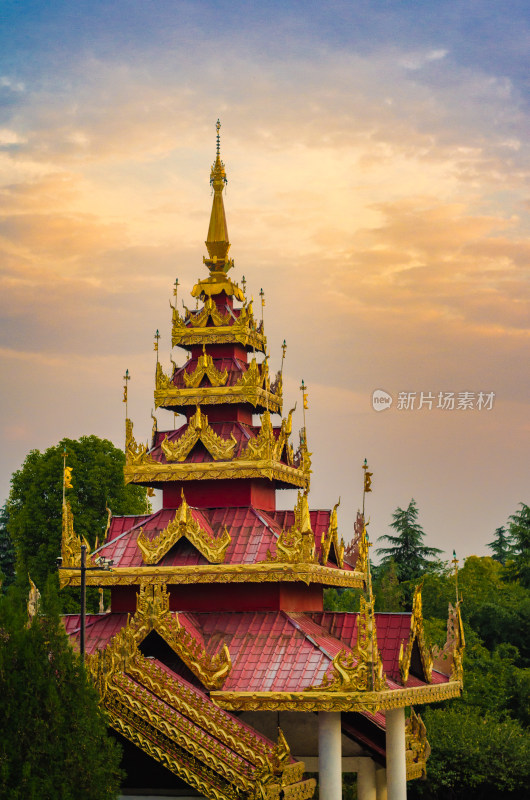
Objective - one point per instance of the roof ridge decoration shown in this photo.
(209, 311)
(417, 634)
(205, 367)
(452, 653)
(135, 454)
(356, 553)
(199, 428)
(210, 749)
(360, 669)
(253, 386)
(243, 328)
(71, 542)
(418, 748)
(183, 525)
(153, 614)
(297, 545)
(331, 539)
(201, 711)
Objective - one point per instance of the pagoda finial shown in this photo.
(217, 241)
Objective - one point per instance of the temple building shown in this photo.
(220, 670)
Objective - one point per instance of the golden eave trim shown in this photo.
(207, 395)
(212, 573)
(336, 701)
(155, 471)
(224, 334)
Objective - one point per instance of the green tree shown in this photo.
(520, 537)
(501, 545)
(7, 550)
(474, 757)
(411, 557)
(35, 500)
(54, 741)
(389, 594)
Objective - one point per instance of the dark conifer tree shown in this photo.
(411, 557)
(501, 545)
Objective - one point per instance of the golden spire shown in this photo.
(217, 240)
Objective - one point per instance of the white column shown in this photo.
(366, 789)
(380, 782)
(329, 755)
(396, 767)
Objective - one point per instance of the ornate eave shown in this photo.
(253, 387)
(243, 330)
(174, 397)
(336, 701)
(265, 572)
(151, 474)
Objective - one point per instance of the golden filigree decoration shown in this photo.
(199, 428)
(266, 445)
(33, 602)
(135, 454)
(70, 541)
(184, 525)
(417, 634)
(271, 470)
(297, 545)
(162, 381)
(262, 572)
(152, 613)
(201, 711)
(449, 660)
(195, 747)
(418, 748)
(356, 553)
(322, 700)
(331, 540)
(205, 366)
(241, 328)
(252, 387)
(209, 311)
(359, 670)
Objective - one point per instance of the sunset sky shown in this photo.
(378, 162)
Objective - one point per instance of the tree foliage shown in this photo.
(520, 539)
(408, 552)
(35, 500)
(501, 546)
(7, 550)
(53, 738)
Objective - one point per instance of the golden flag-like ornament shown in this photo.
(68, 478)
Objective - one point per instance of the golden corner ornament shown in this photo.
(217, 597)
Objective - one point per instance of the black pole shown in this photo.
(83, 601)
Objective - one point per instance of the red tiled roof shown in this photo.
(273, 650)
(253, 532)
(99, 629)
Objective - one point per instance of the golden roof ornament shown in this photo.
(217, 242)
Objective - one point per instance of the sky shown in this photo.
(378, 163)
